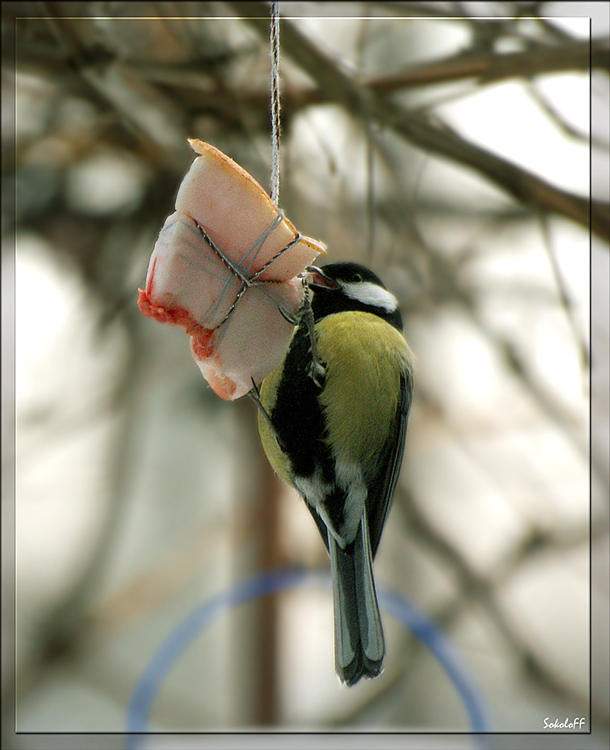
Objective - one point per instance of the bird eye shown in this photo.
(357, 277)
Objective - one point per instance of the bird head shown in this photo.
(348, 286)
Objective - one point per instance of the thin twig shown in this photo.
(564, 297)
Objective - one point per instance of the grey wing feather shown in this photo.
(381, 489)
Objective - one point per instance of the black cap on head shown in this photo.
(348, 286)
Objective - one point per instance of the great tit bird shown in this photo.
(332, 419)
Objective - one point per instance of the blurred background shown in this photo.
(449, 147)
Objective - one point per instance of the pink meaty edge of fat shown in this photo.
(202, 339)
(172, 315)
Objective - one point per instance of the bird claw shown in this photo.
(317, 373)
(255, 395)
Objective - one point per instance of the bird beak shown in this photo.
(317, 278)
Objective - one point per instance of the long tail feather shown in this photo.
(359, 642)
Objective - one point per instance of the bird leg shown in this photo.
(255, 395)
(316, 370)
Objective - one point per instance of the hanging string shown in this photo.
(274, 52)
(317, 371)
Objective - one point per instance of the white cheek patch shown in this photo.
(371, 294)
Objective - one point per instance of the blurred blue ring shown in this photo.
(262, 584)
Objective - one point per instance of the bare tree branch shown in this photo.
(431, 135)
(580, 56)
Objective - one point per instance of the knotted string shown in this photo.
(242, 274)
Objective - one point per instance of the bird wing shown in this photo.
(320, 523)
(381, 489)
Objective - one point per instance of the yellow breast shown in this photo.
(364, 357)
